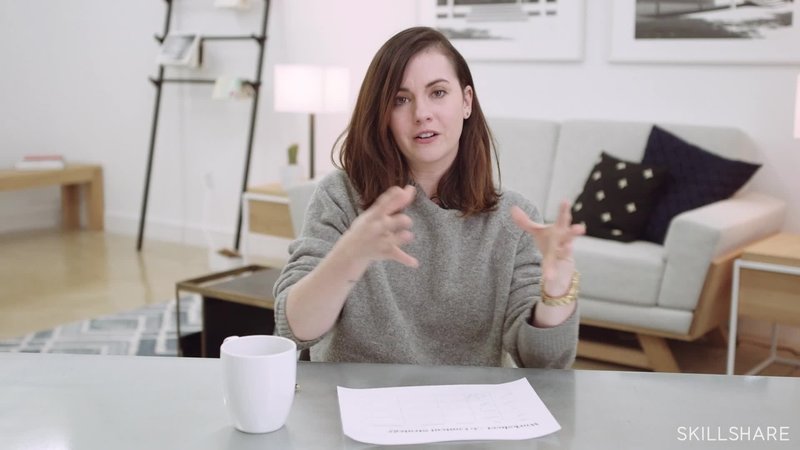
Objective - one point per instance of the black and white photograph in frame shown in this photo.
(706, 31)
(510, 30)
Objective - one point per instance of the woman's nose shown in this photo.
(422, 112)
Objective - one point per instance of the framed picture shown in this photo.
(706, 31)
(510, 30)
(179, 49)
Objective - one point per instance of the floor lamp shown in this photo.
(311, 90)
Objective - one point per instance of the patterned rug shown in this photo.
(147, 331)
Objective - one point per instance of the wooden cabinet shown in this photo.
(267, 211)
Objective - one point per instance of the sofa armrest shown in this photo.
(697, 237)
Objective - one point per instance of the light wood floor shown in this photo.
(49, 277)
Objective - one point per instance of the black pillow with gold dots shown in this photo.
(617, 198)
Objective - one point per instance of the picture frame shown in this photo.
(180, 49)
(745, 33)
(509, 30)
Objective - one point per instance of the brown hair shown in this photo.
(372, 159)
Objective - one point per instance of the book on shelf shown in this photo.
(229, 87)
(180, 49)
(40, 162)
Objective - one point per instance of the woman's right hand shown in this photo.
(315, 302)
(378, 233)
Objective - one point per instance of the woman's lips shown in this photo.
(428, 137)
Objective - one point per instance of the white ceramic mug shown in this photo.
(258, 378)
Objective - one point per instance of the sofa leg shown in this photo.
(718, 337)
(658, 353)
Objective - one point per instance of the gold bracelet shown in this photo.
(565, 299)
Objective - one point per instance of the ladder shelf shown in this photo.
(159, 81)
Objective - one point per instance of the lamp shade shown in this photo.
(311, 89)
(797, 110)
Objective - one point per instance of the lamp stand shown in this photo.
(311, 146)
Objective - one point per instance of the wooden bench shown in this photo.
(71, 179)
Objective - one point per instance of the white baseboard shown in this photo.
(46, 215)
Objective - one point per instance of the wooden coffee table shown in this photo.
(766, 286)
(235, 302)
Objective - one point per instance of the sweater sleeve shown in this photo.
(330, 212)
(531, 346)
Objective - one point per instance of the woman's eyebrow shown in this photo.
(439, 80)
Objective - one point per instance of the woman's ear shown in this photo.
(467, 101)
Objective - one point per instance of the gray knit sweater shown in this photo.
(470, 298)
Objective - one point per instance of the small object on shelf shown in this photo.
(40, 162)
(291, 152)
(227, 87)
(180, 49)
(293, 173)
(233, 4)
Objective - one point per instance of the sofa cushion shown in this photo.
(617, 198)
(619, 272)
(697, 178)
(668, 320)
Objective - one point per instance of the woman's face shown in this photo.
(429, 111)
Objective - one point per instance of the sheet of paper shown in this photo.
(421, 414)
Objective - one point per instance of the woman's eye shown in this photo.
(400, 100)
(439, 93)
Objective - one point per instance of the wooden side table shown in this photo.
(766, 286)
(266, 211)
(235, 302)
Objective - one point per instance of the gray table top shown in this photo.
(101, 402)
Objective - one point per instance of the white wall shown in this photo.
(74, 81)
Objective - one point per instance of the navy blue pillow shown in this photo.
(696, 178)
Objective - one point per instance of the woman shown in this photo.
(445, 269)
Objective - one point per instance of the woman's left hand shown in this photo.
(555, 243)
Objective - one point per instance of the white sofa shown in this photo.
(679, 290)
